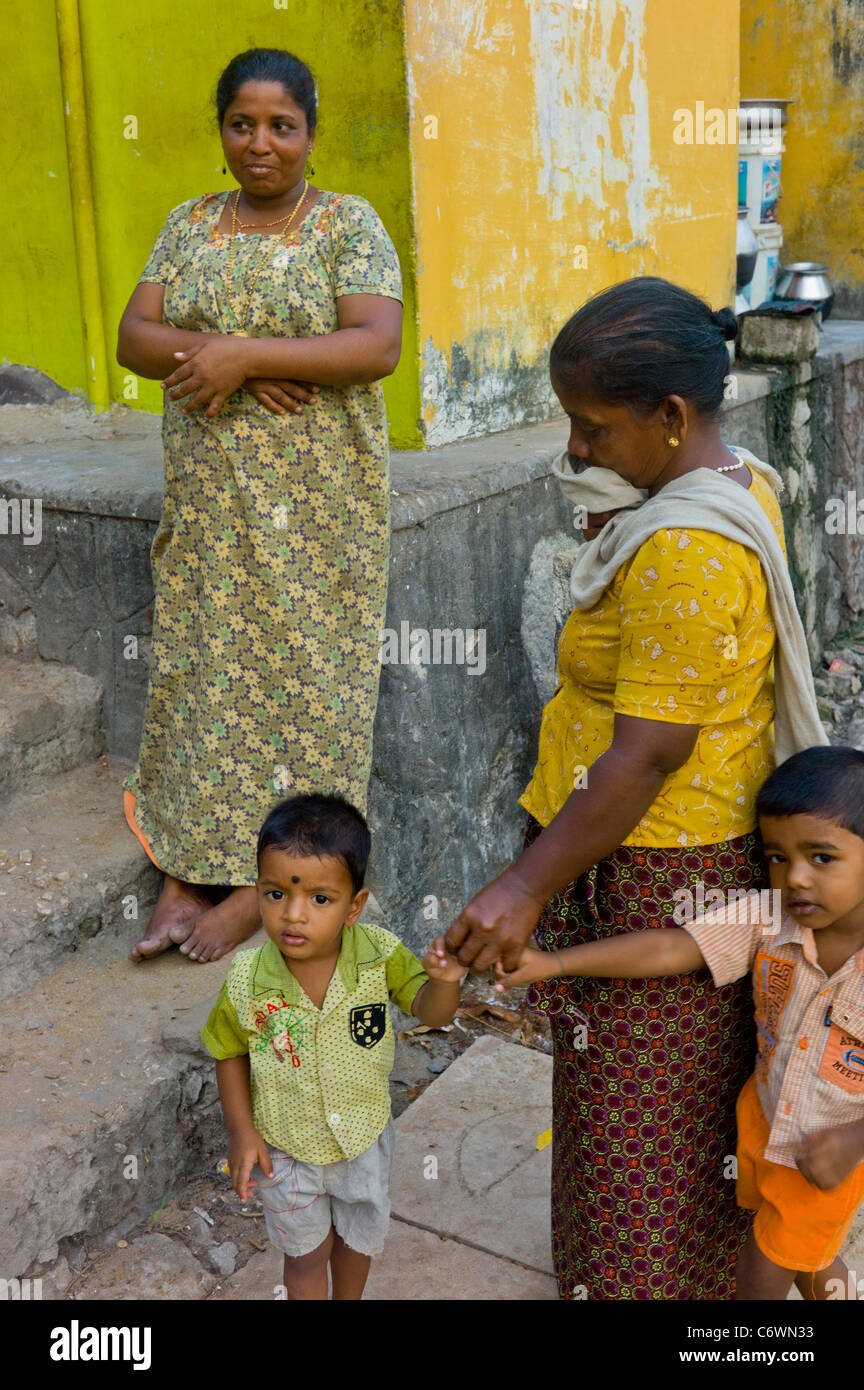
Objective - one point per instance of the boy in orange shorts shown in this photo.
(801, 1115)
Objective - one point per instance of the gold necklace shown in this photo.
(241, 333)
(275, 223)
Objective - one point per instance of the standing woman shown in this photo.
(270, 560)
(652, 748)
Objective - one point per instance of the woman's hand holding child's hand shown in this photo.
(439, 964)
(533, 965)
(244, 1151)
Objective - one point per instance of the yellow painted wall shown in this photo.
(40, 319)
(159, 61)
(814, 54)
(555, 130)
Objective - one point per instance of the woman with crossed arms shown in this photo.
(270, 560)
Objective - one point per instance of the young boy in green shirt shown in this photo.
(304, 1045)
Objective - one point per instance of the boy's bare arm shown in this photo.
(436, 1002)
(246, 1146)
(232, 1078)
(633, 955)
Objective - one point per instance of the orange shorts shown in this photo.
(797, 1226)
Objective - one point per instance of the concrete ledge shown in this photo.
(112, 474)
(111, 465)
(466, 1162)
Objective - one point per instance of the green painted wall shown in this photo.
(40, 324)
(159, 62)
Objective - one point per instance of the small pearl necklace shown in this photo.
(731, 467)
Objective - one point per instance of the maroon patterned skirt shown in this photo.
(646, 1076)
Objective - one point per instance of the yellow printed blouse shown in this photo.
(683, 634)
(319, 1077)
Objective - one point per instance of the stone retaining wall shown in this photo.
(476, 527)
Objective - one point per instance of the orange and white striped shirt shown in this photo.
(810, 1066)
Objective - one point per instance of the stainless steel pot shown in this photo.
(807, 280)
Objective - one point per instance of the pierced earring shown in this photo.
(673, 442)
(310, 171)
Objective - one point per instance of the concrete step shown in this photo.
(108, 1095)
(50, 721)
(70, 868)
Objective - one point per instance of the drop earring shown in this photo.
(224, 170)
(310, 171)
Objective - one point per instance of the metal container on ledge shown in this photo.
(806, 280)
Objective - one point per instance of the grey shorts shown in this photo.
(303, 1200)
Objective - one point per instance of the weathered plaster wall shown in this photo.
(157, 65)
(545, 168)
(814, 54)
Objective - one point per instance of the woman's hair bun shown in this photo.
(726, 321)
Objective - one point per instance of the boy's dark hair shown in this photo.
(827, 782)
(319, 825)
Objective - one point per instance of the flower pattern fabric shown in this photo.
(271, 556)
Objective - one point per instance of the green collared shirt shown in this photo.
(319, 1077)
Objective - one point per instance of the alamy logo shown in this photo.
(442, 646)
(77, 1343)
(21, 516)
(23, 1290)
(745, 907)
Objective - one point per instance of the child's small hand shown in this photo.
(828, 1156)
(244, 1151)
(440, 965)
(533, 965)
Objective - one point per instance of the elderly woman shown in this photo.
(652, 748)
(270, 559)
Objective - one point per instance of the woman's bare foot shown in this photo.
(224, 926)
(173, 918)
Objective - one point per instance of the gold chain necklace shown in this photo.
(275, 223)
(241, 333)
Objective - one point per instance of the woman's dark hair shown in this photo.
(826, 782)
(641, 341)
(269, 65)
(319, 825)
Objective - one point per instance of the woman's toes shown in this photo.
(181, 930)
(149, 946)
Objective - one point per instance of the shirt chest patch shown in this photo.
(280, 1031)
(368, 1024)
(772, 979)
(843, 1059)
